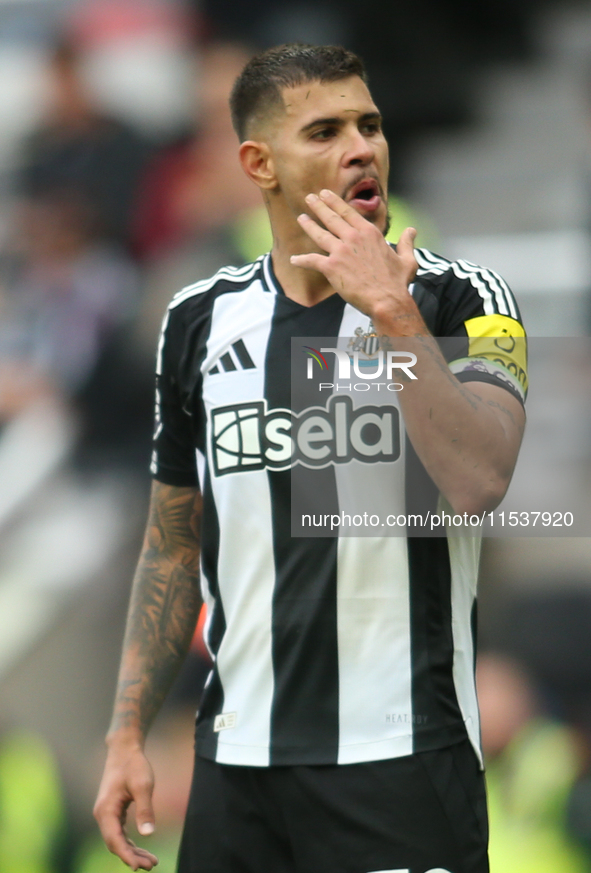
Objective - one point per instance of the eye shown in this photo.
(371, 127)
(323, 133)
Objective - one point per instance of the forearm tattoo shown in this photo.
(164, 606)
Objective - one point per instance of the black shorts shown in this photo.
(425, 813)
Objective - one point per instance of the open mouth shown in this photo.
(365, 194)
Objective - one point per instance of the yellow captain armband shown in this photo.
(497, 351)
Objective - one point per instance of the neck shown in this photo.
(306, 287)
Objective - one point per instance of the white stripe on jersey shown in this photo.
(374, 646)
(269, 278)
(200, 469)
(231, 274)
(158, 410)
(238, 314)
(351, 320)
(244, 660)
(430, 263)
(161, 341)
(206, 592)
(464, 557)
(500, 288)
(491, 287)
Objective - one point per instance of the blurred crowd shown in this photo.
(118, 186)
(105, 225)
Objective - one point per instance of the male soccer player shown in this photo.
(338, 731)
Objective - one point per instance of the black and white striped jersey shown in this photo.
(326, 649)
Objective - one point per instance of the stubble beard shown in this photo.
(388, 221)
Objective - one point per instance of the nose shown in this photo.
(360, 150)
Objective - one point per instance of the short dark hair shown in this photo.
(258, 88)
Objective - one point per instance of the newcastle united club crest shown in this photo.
(368, 342)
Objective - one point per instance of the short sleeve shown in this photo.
(484, 338)
(173, 455)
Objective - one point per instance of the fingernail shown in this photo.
(325, 192)
(146, 828)
(303, 217)
(310, 198)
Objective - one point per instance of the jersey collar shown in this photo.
(270, 281)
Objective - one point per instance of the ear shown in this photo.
(257, 162)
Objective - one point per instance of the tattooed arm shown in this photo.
(162, 616)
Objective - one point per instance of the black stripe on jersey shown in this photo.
(242, 355)
(305, 711)
(227, 362)
(436, 713)
(421, 493)
(212, 701)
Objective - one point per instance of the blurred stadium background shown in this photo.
(119, 184)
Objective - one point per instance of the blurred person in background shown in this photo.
(78, 147)
(532, 763)
(69, 290)
(548, 630)
(65, 292)
(195, 188)
(196, 210)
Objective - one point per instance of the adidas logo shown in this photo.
(236, 358)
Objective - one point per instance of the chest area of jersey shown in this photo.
(270, 401)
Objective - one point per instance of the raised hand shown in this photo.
(359, 263)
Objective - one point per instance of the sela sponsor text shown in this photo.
(248, 436)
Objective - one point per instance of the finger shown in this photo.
(406, 242)
(111, 820)
(138, 859)
(405, 249)
(143, 860)
(117, 843)
(144, 811)
(318, 234)
(345, 212)
(328, 216)
(310, 261)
